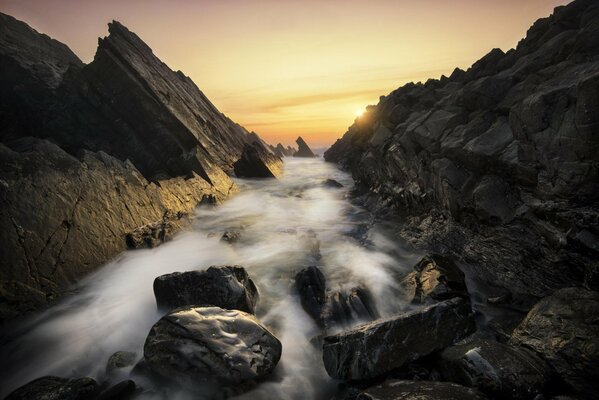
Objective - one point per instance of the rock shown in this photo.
(419, 390)
(228, 287)
(211, 348)
(332, 183)
(52, 387)
(310, 283)
(230, 237)
(303, 150)
(311, 243)
(257, 162)
(124, 390)
(496, 369)
(120, 360)
(376, 348)
(562, 329)
(434, 278)
(346, 308)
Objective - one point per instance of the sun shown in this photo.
(359, 112)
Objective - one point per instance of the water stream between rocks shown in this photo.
(115, 308)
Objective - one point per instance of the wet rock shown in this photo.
(257, 162)
(311, 243)
(230, 237)
(52, 387)
(211, 348)
(120, 360)
(228, 287)
(348, 307)
(419, 390)
(373, 349)
(498, 370)
(303, 150)
(332, 183)
(124, 390)
(310, 283)
(562, 329)
(435, 278)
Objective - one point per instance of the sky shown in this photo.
(289, 68)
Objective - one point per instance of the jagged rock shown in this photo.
(495, 166)
(281, 151)
(562, 329)
(332, 183)
(226, 287)
(311, 286)
(419, 390)
(256, 162)
(346, 308)
(52, 387)
(434, 278)
(211, 348)
(303, 150)
(120, 360)
(496, 369)
(373, 349)
(124, 390)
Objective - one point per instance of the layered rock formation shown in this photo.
(497, 165)
(97, 158)
(303, 150)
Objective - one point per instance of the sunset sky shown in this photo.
(289, 68)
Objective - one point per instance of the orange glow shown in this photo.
(289, 68)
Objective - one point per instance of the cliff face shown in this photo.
(97, 158)
(497, 165)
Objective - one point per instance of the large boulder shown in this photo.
(373, 349)
(563, 329)
(419, 390)
(228, 287)
(212, 349)
(303, 150)
(257, 162)
(435, 278)
(310, 284)
(55, 388)
(499, 370)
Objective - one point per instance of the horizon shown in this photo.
(341, 59)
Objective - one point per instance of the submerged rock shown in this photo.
(230, 237)
(499, 370)
(257, 162)
(124, 390)
(563, 329)
(311, 286)
(419, 390)
(120, 360)
(54, 388)
(228, 287)
(373, 349)
(434, 278)
(303, 150)
(346, 308)
(212, 349)
(332, 183)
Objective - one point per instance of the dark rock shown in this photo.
(120, 360)
(562, 329)
(496, 369)
(211, 348)
(52, 387)
(332, 183)
(343, 309)
(124, 390)
(226, 287)
(311, 286)
(374, 349)
(303, 150)
(434, 278)
(419, 390)
(230, 237)
(257, 162)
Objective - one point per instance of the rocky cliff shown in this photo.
(97, 158)
(498, 165)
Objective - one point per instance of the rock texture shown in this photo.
(496, 165)
(97, 158)
(303, 150)
(225, 287)
(416, 390)
(212, 349)
(257, 162)
(52, 387)
(563, 329)
(374, 349)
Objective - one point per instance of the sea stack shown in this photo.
(303, 149)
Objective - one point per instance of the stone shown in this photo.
(345, 308)
(419, 390)
(562, 328)
(230, 237)
(120, 360)
(123, 390)
(373, 349)
(496, 369)
(212, 349)
(435, 278)
(257, 162)
(332, 184)
(310, 283)
(228, 287)
(303, 150)
(52, 387)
